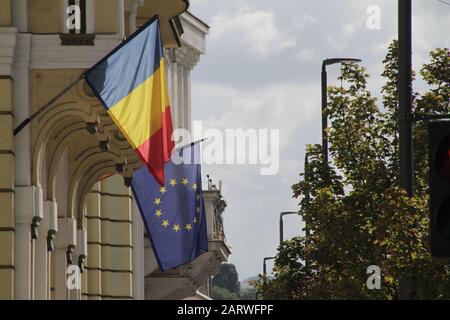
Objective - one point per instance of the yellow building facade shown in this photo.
(65, 199)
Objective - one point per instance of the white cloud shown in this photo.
(285, 107)
(306, 55)
(336, 43)
(348, 30)
(252, 31)
(304, 20)
(428, 36)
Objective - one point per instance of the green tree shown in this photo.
(248, 293)
(219, 293)
(355, 213)
(227, 278)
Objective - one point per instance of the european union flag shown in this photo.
(174, 214)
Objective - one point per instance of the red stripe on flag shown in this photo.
(156, 151)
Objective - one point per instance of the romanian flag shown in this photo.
(131, 84)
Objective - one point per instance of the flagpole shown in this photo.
(25, 122)
(190, 144)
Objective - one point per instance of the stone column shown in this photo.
(64, 251)
(80, 258)
(20, 15)
(51, 244)
(21, 93)
(8, 38)
(63, 4)
(41, 263)
(182, 61)
(121, 17)
(116, 240)
(6, 191)
(180, 96)
(42, 267)
(210, 197)
(26, 197)
(174, 96)
(94, 265)
(187, 99)
(130, 7)
(28, 215)
(138, 252)
(90, 17)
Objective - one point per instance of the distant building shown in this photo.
(64, 198)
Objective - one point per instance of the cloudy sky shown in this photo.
(262, 70)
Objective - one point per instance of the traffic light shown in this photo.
(439, 153)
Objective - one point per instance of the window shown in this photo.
(78, 23)
(82, 5)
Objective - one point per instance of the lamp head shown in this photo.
(288, 212)
(327, 62)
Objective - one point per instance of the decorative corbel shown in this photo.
(104, 145)
(81, 249)
(127, 181)
(51, 240)
(52, 213)
(69, 254)
(92, 127)
(34, 227)
(81, 262)
(120, 167)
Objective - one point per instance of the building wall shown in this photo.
(42, 167)
(6, 190)
(5, 13)
(106, 16)
(7, 223)
(44, 16)
(116, 245)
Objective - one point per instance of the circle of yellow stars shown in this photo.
(160, 214)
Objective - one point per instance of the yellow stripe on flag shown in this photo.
(139, 115)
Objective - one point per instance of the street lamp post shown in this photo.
(405, 95)
(264, 266)
(408, 285)
(264, 272)
(281, 223)
(326, 63)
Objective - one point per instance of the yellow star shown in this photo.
(163, 190)
(158, 213)
(165, 223)
(198, 197)
(173, 182)
(176, 228)
(198, 209)
(194, 186)
(195, 220)
(188, 227)
(185, 181)
(157, 201)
